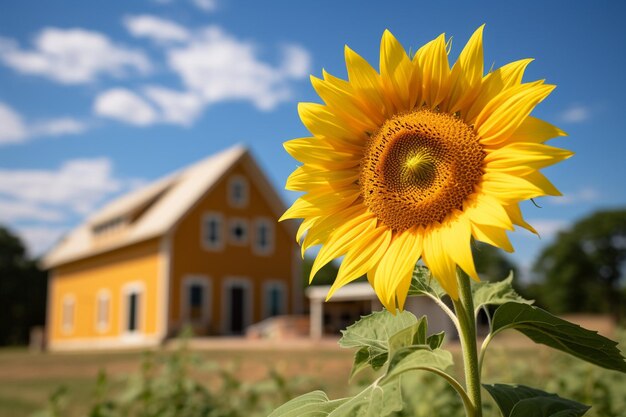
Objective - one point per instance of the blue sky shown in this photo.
(97, 98)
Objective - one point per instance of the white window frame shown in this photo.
(233, 181)
(227, 285)
(269, 248)
(232, 222)
(139, 288)
(219, 244)
(101, 295)
(185, 303)
(268, 286)
(69, 302)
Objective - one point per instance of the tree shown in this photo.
(22, 291)
(582, 270)
(491, 262)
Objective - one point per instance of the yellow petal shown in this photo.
(456, 239)
(321, 153)
(495, 236)
(344, 104)
(496, 82)
(323, 123)
(308, 177)
(396, 72)
(432, 60)
(319, 231)
(316, 204)
(368, 85)
(466, 75)
(361, 258)
(515, 157)
(512, 189)
(486, 209)
(304, 227)
(535, 130)
(506, 112)
(398, 262)
(340, 240)
(516, 216)
(440, 263)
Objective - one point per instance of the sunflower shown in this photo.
(415, 161)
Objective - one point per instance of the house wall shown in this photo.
(114, 273)
(231, 264)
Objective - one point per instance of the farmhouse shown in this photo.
(200, 247)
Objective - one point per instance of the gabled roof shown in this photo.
(156, 208)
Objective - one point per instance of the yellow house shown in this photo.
(200, 247)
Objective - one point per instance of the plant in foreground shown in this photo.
(413, 163)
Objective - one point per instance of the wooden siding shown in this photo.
(82, 280)
(233, 261)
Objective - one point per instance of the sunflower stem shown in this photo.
(464, 308)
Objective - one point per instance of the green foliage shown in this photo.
(523, 401)
(22, 291)
(542, 327)
(371, 335)
(491, 263)
(396, 343)
(167, 387)
(496, 293)
(583, 269)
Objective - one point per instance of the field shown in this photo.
(27, 380)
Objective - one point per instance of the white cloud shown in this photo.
(39, 239)
(584, 195)
(576, 114)
(13, 128)
(78, 185)
(72, 56)
(124, 105)
(176, 107)
(156, 28)
(297, 61)
(16, 210)
(547, 228)
(220, 67)
(206, 5)
(58, 127)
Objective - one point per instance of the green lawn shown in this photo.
(27, 380)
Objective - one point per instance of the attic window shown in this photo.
(238, 231)
(212, 231)
(263, 236)
(109, 225)
(238, 191)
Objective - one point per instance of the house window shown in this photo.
(238, 191)
(133, 308)
(212, 231)
(67, 313)
(103, 308)
(275, 299)
(238, 231)
(263, 236)
(196, 299)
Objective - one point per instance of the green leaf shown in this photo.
(313, 404)
(523, 401)
(374, 401)
(418, 358)
(435, 340)
(412, 335)
(371, 335)
(544, 328)
(423, 283)
(496, 293)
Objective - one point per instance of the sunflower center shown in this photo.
(419, 168)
